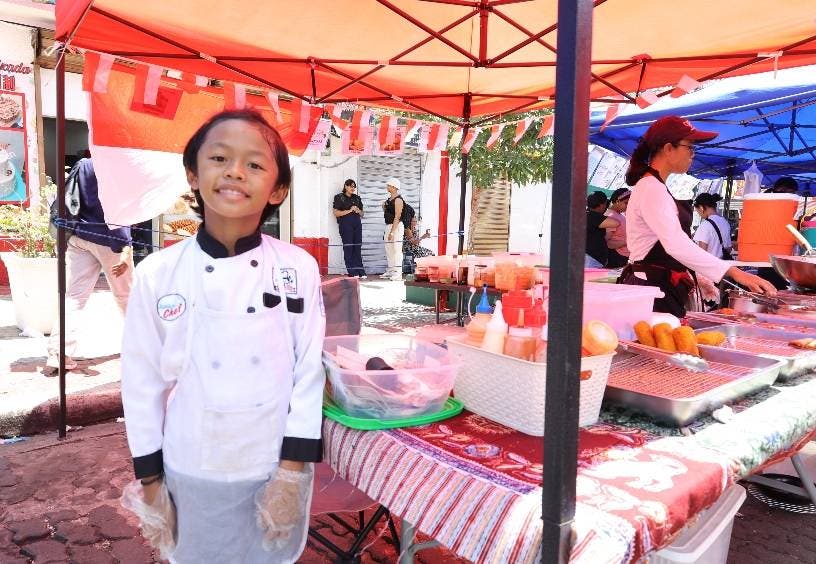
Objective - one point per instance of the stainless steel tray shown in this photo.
(679, 396)
(799, 321)
(764, 320)
(769, 343)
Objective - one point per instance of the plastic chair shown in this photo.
(332, 495)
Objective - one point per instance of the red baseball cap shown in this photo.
(672, 129)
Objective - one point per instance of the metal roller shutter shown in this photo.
(372, 174)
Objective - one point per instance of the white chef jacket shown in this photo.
(705, 233)
(157, 330)
(651, 217)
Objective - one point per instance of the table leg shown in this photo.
(409, 548)
(804, 475)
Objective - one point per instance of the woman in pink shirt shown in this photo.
(616, 237)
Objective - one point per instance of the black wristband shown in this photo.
(153, 480)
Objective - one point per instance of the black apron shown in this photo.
(663, 270)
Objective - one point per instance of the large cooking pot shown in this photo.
(798, 270)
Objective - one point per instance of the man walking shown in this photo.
(92, 248)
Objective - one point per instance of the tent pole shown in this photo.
(61, 235)
(567, 278)
(729, 186)
(463, 174)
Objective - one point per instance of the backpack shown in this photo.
(71, 204)
(408, 214)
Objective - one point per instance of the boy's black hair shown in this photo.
(596, 199)
(707, 200)
(281, 155)
(785, 185)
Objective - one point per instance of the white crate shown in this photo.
(707, 540)
(511, 391)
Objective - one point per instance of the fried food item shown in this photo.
(726, 311)
(714, 338)
(685, 340)
(663, 337)
(807, 344)
(599, 338)
(643, 332)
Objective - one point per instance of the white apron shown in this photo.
(238, 372)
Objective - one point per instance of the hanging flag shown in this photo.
(275, 103)
(320, 135)
(611, 113)
(470, 138)
(302, 113)
(521, 128)
(96, 72)
(437, 136)
(547, 126)
(385, 135)
(192, 83)
(151, 89)
(395, 147)
(495, 133)
(646, 99)
(234, 96)
(411, 124)
(335, 112)
(685, 85)
(358, 138)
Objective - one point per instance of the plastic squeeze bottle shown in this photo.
(476, 328)
(495, 332)
(520, 342)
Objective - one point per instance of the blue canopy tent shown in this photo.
(771, 121)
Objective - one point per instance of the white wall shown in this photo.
(317, 178)
(76, 100)
(531, 216)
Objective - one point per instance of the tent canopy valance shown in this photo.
(767, 119)
(453, 58)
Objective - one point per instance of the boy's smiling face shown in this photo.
(237, 174)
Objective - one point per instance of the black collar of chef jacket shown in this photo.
(217, 251)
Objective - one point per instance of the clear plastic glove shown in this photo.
(281, 505)
(158, 519)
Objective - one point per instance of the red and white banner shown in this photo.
(437, 137)
(234, 96)
(547, 126)
(495, 133)
(646, 99)
(470, 139)
(685, 85)
(521, 129)
(611, 113)
(320, 136)
(137, 147)
(275, 103)
(396, 145)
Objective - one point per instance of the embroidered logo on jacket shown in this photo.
(289, 276)
(171, 306)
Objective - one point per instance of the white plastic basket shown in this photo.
(511, 391)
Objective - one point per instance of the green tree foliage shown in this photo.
(526, 162)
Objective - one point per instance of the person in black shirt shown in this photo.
(597, 253)
(348, 209)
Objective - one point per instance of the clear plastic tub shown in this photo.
(420, 383)
(619, 305)
(708, 539)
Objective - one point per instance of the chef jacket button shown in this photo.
(253, 262)
(209, 268)
(255, 360)
(250, 309)
(216, 365)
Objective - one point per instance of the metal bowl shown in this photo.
(800, 271)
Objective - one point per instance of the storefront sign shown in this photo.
(19, 166)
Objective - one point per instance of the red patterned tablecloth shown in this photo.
(475, 486)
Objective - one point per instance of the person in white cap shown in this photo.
(394, 230)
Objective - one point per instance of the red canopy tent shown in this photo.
(468, 62)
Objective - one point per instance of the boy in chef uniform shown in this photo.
(222, 379)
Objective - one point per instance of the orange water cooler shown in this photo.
(762, 226)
